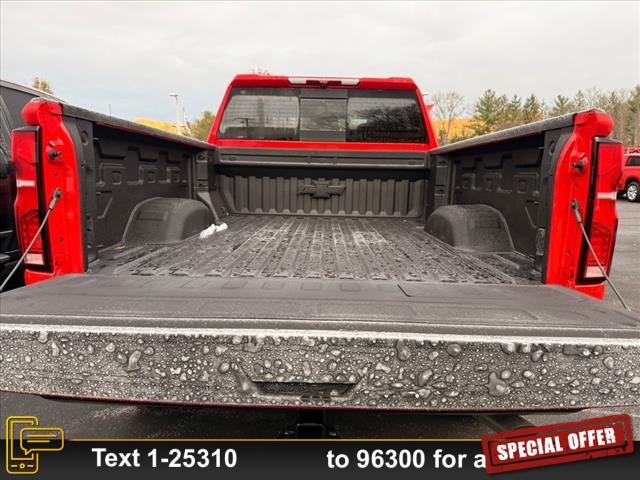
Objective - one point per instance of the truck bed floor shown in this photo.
(319, 247)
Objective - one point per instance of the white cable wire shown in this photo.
(54, 199)
(576, 212)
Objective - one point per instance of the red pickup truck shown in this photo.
(320, 250)
(629, 184)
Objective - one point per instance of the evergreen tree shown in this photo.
(561, 106)
(512, 113)
(532, 110)
(489, 112)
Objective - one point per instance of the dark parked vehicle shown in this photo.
(13, 98)
(320, 250)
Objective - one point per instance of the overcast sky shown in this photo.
(131, 55)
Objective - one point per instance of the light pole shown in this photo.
(178, 123)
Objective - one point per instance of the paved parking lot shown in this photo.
(625, 275)
(100, 420)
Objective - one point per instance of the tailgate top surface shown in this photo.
(333, 305)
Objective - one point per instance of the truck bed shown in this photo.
(323, 248)
(342, 302)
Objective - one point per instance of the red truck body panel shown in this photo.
(566, 247)
(63, 233)
(630, 168)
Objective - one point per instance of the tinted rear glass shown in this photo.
(323, 119)
(633, 162)
(385, 117)
(261, 113)
(358, 116)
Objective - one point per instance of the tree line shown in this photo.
(198, 128)
(492, 112)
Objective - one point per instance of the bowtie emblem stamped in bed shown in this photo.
(320, 189)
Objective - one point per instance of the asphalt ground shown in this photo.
(111, 420)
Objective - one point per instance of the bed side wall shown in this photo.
(513, 176)
(119, 169)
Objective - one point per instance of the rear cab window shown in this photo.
(633, 161)
(331, 115)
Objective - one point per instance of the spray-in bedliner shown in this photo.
(320, 247)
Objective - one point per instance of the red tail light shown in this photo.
(602, 239)
(603, 222)
(27, 228)
(24, 154)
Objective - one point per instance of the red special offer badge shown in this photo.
(559, 443)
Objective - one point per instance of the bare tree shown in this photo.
(447, 107)
(616, 103)
(633, 127)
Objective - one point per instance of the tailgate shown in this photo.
(291, 342)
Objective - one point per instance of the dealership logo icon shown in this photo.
(26, 440)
